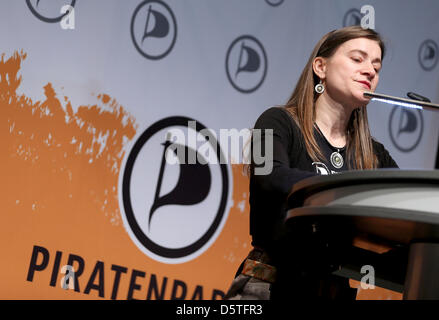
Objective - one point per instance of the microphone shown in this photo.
(403, 102)
(416, 96)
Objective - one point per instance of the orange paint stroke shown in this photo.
(60, 148)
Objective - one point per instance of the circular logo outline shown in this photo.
(148, 244)
(250, 37)
(425, 42)
(45, 19)
(274, 4)
(395, 143)
(348, 13)
(133, 38)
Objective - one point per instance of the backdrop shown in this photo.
(89, 92)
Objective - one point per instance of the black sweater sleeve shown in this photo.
(284, 145)
(385, 160)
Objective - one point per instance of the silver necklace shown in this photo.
(336, 158)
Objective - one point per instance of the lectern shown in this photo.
(397, 208)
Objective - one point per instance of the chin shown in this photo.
(360, 100)
(364, 102)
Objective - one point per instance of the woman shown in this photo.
(323, 129)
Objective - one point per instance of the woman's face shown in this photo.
(352, 70)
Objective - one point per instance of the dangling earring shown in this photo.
(319, 88)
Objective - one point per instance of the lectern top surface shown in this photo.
(356, 177)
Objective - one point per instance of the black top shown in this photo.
(291, 163)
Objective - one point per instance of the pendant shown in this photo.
(336, 160)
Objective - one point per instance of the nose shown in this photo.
(369, 71)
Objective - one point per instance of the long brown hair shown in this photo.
(301, 104)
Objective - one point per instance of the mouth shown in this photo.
(366, 84)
